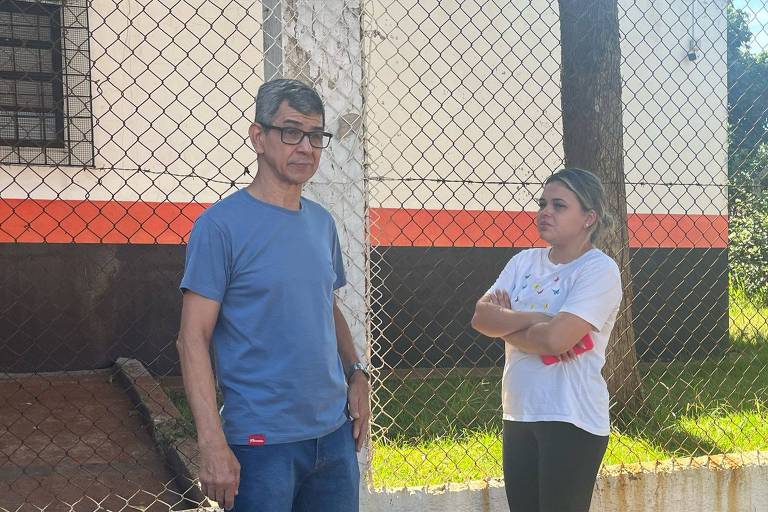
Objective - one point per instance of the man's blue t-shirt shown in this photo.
(273, 270)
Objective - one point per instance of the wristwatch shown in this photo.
(359, 365)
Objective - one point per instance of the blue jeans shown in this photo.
(316, 475)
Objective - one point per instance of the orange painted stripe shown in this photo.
(677, 230)
(453, 228)
(478, 228)
(107, 222)
(140, 222)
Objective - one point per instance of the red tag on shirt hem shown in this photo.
(257, 440)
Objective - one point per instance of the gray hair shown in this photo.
(591, 195)
(299, 96)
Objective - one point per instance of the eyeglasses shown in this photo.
(294, 136)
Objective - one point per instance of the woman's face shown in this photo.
(560, 218)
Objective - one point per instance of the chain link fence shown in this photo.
(465, 117)
(121, 121)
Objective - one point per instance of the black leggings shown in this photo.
(550, 466)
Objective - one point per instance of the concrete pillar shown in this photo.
(318, 42)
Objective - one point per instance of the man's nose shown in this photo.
(304, 144)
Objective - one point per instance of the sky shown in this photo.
(757, 13)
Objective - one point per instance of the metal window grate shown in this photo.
(44, 69)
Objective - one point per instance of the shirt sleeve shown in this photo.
(506, 279)
(338, 260)
(208, 265)
(596, 292)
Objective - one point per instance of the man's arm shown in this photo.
(358, 394)
(219, 469)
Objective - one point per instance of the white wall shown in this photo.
(436, 85)
(675, 110)
(469, 91)
(457, 91)
(173, 87)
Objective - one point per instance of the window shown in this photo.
(45, 95)
(31, 106)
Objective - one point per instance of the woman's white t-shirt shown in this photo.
(574, 392)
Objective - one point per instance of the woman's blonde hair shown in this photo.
(589, 190)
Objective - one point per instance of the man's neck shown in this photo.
(271, 191)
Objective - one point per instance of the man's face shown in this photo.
(291, 164)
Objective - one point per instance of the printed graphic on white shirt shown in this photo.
(588, 287)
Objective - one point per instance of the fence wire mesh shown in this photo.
(121, 121)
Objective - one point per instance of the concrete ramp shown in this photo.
(75, 442)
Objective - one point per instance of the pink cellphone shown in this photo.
(586, 342)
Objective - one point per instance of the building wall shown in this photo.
(465, 124)
(462, 123)
(455, 94)
(173, 97)
(469, 92)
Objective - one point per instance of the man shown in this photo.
(261, 270)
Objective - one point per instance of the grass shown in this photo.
(748, 318)
(433, 431)
(693, 408)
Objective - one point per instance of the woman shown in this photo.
(561, 300)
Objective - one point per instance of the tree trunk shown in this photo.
(593, 140)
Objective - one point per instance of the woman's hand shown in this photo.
(571, 354)
(501, 298)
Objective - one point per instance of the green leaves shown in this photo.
(748, 245)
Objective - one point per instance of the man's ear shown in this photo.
(256, 133)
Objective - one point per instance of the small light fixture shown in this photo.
(692, 49)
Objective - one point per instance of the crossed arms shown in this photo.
(530, 331)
